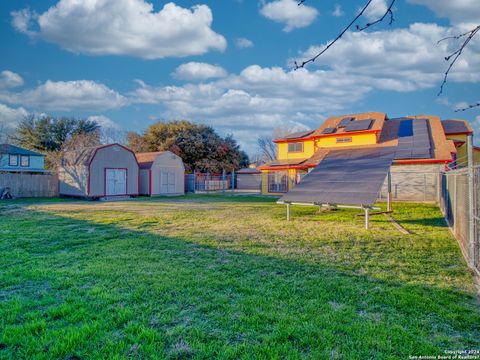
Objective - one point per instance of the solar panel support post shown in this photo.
(367, 217)
(389, 189)
(288, 211)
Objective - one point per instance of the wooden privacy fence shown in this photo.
(30, 185)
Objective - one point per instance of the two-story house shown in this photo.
(300, 152)
(17, 159)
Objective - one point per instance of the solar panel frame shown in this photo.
(345, 177)
(359, 125)
(345, 121)
(329, 131)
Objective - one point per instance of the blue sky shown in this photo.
(130, 63)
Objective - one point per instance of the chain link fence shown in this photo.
(461, 209)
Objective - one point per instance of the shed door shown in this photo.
(116, 182)
(168, 183)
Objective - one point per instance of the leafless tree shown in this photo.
(112, 135)
(267, 149)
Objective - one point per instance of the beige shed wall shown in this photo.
(144, 182)
(73, 180)
(113, 157)
(168, 162)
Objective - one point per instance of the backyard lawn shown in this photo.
(227, 277)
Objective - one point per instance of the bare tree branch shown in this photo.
(379, 20)
(468, 107)
(359, 28)
(453, 57)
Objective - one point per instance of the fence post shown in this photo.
(471, 194)
(224, 177)
(233, 180)
(454, 205)
(389, 191)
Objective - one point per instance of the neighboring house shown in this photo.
(458, 131)
(161, 173)
(248, 179)
(97, 172)
(16, 159)
(300, 152)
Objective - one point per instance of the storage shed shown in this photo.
(249, 179)
(101, 171)
(161, 173)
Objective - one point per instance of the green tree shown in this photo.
(46, 133)
(200, 147)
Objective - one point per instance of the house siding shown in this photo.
(73, 180)
(36, 163)
(168, 162)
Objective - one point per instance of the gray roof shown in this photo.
(248, 171)
(79, 157)
(455, 126)
(296, 135)
(15, 150)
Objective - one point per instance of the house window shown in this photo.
(344, 140)
(295, 147)
(24, 161)
(277, 182)
(13, 160)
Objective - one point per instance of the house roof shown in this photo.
(248, 171)
(85, 156)
(80, 157)
(296, 135)
(332, 122)
(388, 134)
(282, 163)
(15, 150)
(146, 159)
(454, 126)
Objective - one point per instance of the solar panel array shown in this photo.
(413, 140)
(359, 125)
(345, 121)
(298, 134)
(345, 177)
(329, 131)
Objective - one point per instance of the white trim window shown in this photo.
(12, 160)
(278, 181)
(24, 161)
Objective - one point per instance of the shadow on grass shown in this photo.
(76, 288)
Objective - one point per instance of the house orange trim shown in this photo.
(376, 132)
(422, 161)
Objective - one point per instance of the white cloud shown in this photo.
(337, 11)
(104, 121)
(199, 71)
(243, 43)
(84, 95)
(401, 59)
(289, 13)
(124, 27)
(258, 99)
(10, 117)
(376, 9)
(10, 79)
(461, 105)
(458, 11)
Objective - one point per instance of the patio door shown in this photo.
(168, 183)
(115, 181)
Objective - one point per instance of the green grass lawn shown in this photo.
(227, 277)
